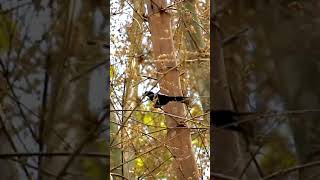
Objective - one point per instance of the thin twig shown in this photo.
(39, 154)
(43, 112)
(270, 114)
(138, 104)
(235, 36)
(89, 70)
(15, 8)
(295, 168)
(28, 124)
(146, 152)
(33, 167)
(15, 149)
(118, 175)
(91, 135)
(222, 176)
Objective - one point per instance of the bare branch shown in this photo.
(289, 170)
(222, 176)
(91, 155)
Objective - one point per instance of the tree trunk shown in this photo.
(225, 152)
(179, 139)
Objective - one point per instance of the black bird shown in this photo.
(162, 99)
(227, 119)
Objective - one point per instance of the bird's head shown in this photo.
(149, 94)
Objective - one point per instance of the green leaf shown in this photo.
(4, 38)
(7, 25)
(92, 168)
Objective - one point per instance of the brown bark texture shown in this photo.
(225, 144)
(178, 138)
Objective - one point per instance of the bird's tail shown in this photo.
(181, 99)
(178, 98)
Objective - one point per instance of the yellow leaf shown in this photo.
(195, 141)
(162, 124)
(139, 162)
(147, 119)
(112, 72)
(196, 111)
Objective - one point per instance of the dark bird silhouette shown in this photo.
(162, 99)
(227, 119)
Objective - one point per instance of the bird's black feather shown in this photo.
(162, 99)
(227, 119)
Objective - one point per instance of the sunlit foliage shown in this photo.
(133, 72)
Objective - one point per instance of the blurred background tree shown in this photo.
(52, 89)
(274, 66)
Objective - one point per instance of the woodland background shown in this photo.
(271, 58)
(54, 88)
(137, 129)
(269, 50)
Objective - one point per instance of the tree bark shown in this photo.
(225, 152)
(179, 139)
